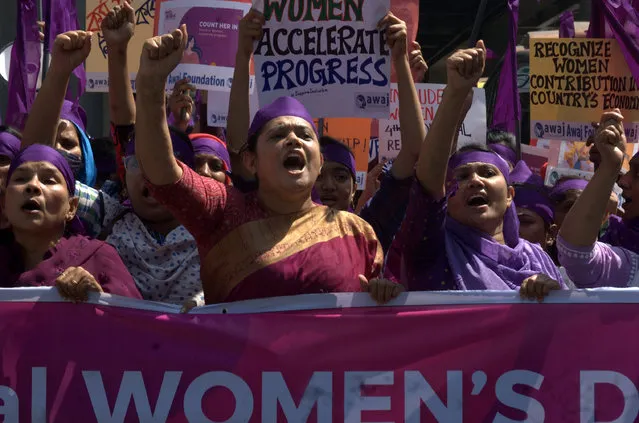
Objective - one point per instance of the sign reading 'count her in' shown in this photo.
(213, 28)
(572, 82)
(330, 55)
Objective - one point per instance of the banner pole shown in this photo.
(479, 21)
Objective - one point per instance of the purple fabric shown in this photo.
(42, 153)
(182, 148)
(504, 152)
(622, 233)
(618, 19)
(340, 154)
(567, 25)
(283, 106)
(61, 16)
(25, 65)
(210, 144)
(9, 144)
(477, 262)
(530, 192)
(74, 113)
(561, 187)
(507, 104)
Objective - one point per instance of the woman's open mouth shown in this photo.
(31, 207)
(294, 163)
(478, 200)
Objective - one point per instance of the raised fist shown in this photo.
(610, 139)
(250, 30)
(161, 54)
(396, 34)
(70, 50)
(118, 26)
(465, 67)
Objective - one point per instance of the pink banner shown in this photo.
(480, 361)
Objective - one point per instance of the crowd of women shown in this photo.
(192, 215)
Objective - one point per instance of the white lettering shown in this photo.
(9, 407)
(587, 382)
(38, 395)
(235, 384)
(508, 397)
(355, 403)
(132, 386)
(318, 391)
(418, 390)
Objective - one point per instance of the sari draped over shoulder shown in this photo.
(96, 257)
(246, 253)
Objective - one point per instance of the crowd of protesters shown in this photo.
(192, 215)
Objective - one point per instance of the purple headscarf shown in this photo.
(9, 144)
(182, 148)
(562, 186)
(74, 113)
(477, 261)
(530, 192)
(333, 152)
(504, 152)
(43, 153)
(210, 144)
(283, 106)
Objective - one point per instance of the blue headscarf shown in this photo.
(76, 115)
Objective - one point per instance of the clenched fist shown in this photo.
(118, 26)
(465, 67)
(75, 283)
(161, 54)
(70, 50)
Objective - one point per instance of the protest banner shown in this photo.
(427, 357)
(573, 81)
(408, 11)
(213, 26)
(473, 129)
(576, 155)
(356, 134)
(217, 107)
(96, 64)
(534, 156)
(327, 54)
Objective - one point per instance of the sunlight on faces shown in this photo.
(335, 186)
(67, 138)
(37, 199)
(144, 205)
(629, 183)
(287, 157)
(210, 166)
(482, 197)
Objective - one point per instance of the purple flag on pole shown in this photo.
(61, 16)
(25, 65)
(567, 25)
(507, 105)
(618, 19)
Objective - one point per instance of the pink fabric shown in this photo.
(470, 355)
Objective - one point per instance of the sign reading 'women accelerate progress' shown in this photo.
(573, 81)
(428, 357)
(330, 55)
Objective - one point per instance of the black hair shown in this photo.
(560, 198)
(497, 136)
(11, 130)
(474, 147)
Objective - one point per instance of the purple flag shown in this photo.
(507, 111)
(567, 25)
(618, 19)
(25, 65)
(61, 16)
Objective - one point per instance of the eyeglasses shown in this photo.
(131, 164)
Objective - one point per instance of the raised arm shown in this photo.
(239, 115)
(118, 28)
(153, 148)
(464, 68)
(582, 224)
(181, 104)
(411, 120)
(69, 51)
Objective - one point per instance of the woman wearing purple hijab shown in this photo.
(465, 204)
(337, 183)
(9, 147)
(211, 157)
(588, 262)
(47, 246)
(272, 242)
